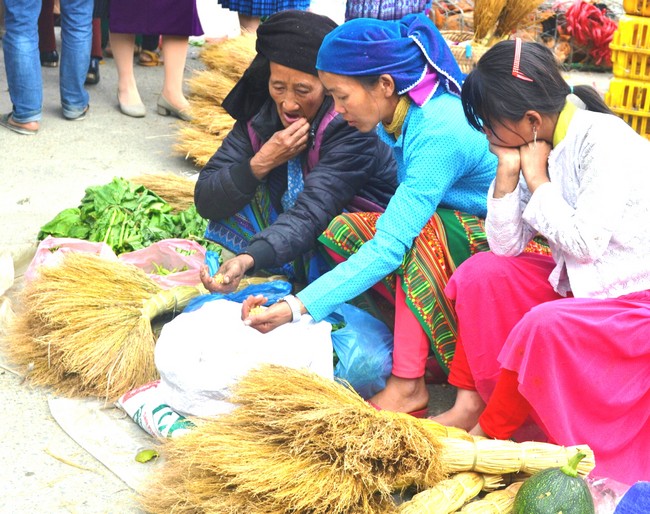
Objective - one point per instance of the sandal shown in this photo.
(149, 58)
(7, 121)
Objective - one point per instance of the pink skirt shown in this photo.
(583, 363)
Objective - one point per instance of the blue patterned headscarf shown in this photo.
(410, 50)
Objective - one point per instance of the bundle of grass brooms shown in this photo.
(226, 61)
(494, 21)
(298, 443)
(85, 326)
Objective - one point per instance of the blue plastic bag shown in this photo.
(272, 290)
(364, 347)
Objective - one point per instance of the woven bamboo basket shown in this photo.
(465, 51)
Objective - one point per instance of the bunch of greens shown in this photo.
(126, 217)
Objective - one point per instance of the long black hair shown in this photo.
(491, 92)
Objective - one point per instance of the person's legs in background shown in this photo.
(92, 76)
(128, 97)
(46, 37)
(150, 53)
(76, 39)
(172, 100)
(22, 64)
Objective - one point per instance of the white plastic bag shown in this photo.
(200, 354)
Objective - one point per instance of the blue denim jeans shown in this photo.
(22, 57)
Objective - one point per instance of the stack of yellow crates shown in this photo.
(629, 90)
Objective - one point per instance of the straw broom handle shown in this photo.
(168, 300)
(493, 456)
(496, 502)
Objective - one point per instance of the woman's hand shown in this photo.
(508, 169)
(229, 275)
(277, 314)
(534, 163)
(283, 146)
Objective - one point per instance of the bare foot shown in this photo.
(465, 412)
(478, 431)
(402, 395)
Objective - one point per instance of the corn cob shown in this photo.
(496, 502)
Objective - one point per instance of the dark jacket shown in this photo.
(350, 163)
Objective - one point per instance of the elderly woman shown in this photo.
(290, 163)
(402, 77)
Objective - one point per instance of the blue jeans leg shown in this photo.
(76, 41)
(22, 61)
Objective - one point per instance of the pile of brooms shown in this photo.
(301, 444)
(225, 63)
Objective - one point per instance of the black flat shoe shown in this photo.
(92, 77)
(50, 59)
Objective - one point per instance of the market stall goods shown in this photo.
(85, 327)
(299, 443)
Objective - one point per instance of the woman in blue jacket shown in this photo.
(402, 78)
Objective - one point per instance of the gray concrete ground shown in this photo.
(39, 177)
(42, 470)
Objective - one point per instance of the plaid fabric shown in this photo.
(263, 8)
(448, 239)
(384, 9)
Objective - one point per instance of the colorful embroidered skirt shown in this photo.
(448, 239)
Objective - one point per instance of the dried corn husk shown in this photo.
(493, 456)
(496, 502)
(176, 190)
(85, 327)
(450, 494)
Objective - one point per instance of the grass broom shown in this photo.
(211, 85)
(284, 414)
(85, 326)
(496, 502)
(231, 56)
(196, 144)
(493, 456)
(486, 16)
(513, 15)
(176, 190)
(450, 494)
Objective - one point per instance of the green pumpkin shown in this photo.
(555, 491)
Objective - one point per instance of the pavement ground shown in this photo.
(42, 470)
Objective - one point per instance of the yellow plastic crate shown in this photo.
(637, 7)
(628, 96)
(640, 123)
(630, 99)
(631, 48)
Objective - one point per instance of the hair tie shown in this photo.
(571, 89)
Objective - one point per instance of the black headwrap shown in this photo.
(290, 38)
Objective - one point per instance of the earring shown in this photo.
(534, 137)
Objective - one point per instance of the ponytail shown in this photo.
(591, 99)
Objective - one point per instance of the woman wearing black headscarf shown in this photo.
(290, 163)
